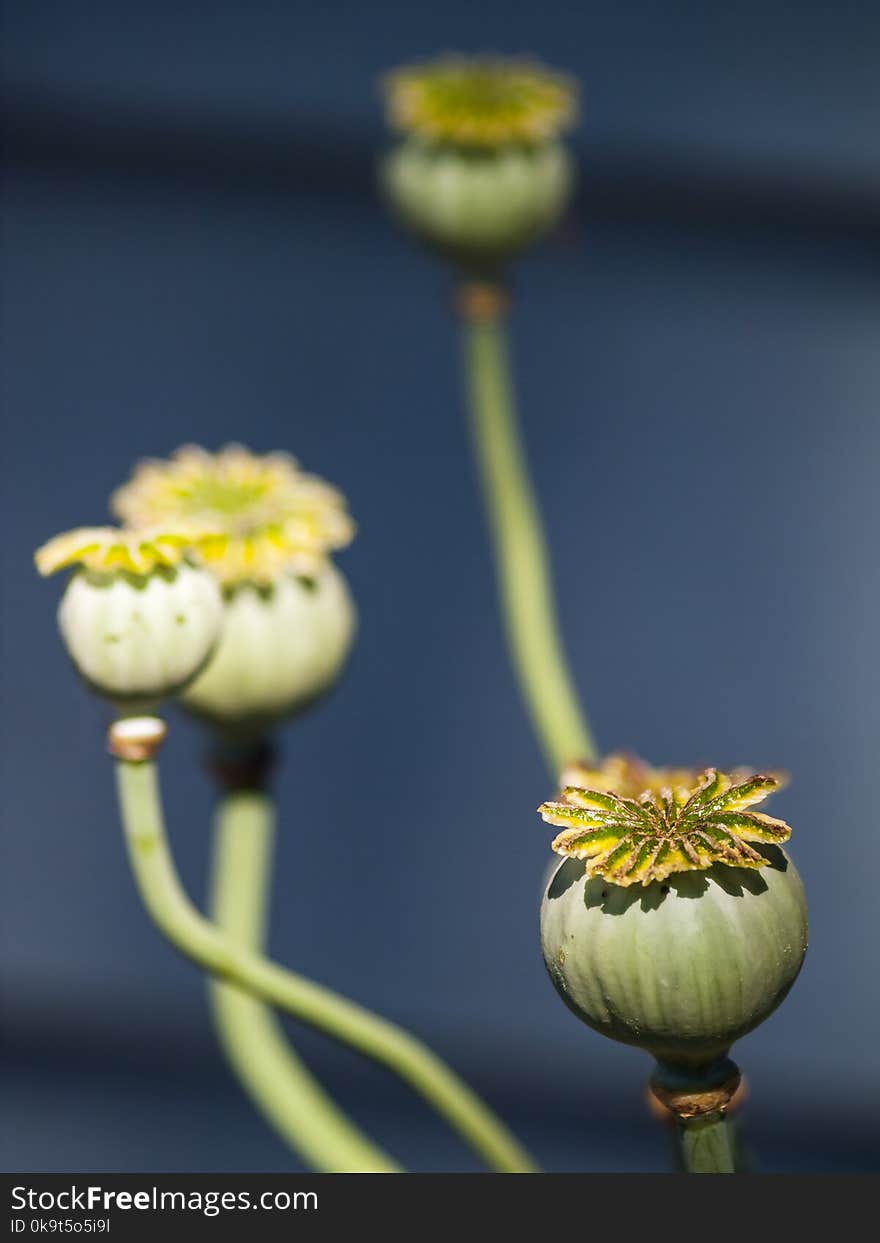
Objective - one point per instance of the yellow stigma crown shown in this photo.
(274, 517)
(106, 549)
(689, 828)
(626, 774)
(480, 102)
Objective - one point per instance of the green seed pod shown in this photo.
(478, 207)
(138, 620)
(681, 968)
(283, 645)
(479, 171)
(676, 923)
(140, 639)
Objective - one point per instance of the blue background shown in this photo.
(194, 251)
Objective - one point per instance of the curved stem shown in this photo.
(197, 938)
(253, 1039)
(524, 581)
(705, 1145)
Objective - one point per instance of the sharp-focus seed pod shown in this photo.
(676, 922)
(138, 621)
(681, 969)
(283, 645)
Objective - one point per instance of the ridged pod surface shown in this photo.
(680, 969)
(478, 205)
(138, 639)
(282, 646)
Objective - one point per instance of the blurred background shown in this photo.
(194, 251)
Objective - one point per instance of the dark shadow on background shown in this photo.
(311, 154)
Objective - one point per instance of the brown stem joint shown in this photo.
(136, 738)
(689, 1094)
(482, 302)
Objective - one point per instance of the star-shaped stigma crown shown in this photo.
(274, 517)
(675, 829)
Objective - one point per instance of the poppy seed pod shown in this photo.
(479, 172)
(137, 619)
(288, 616)
(478, 207)
(676, 922)
(681, 969)
(283, 646)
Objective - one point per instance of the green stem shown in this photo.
(253, 1039)
(197, 938)
(524, 580)
(705, 1145)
